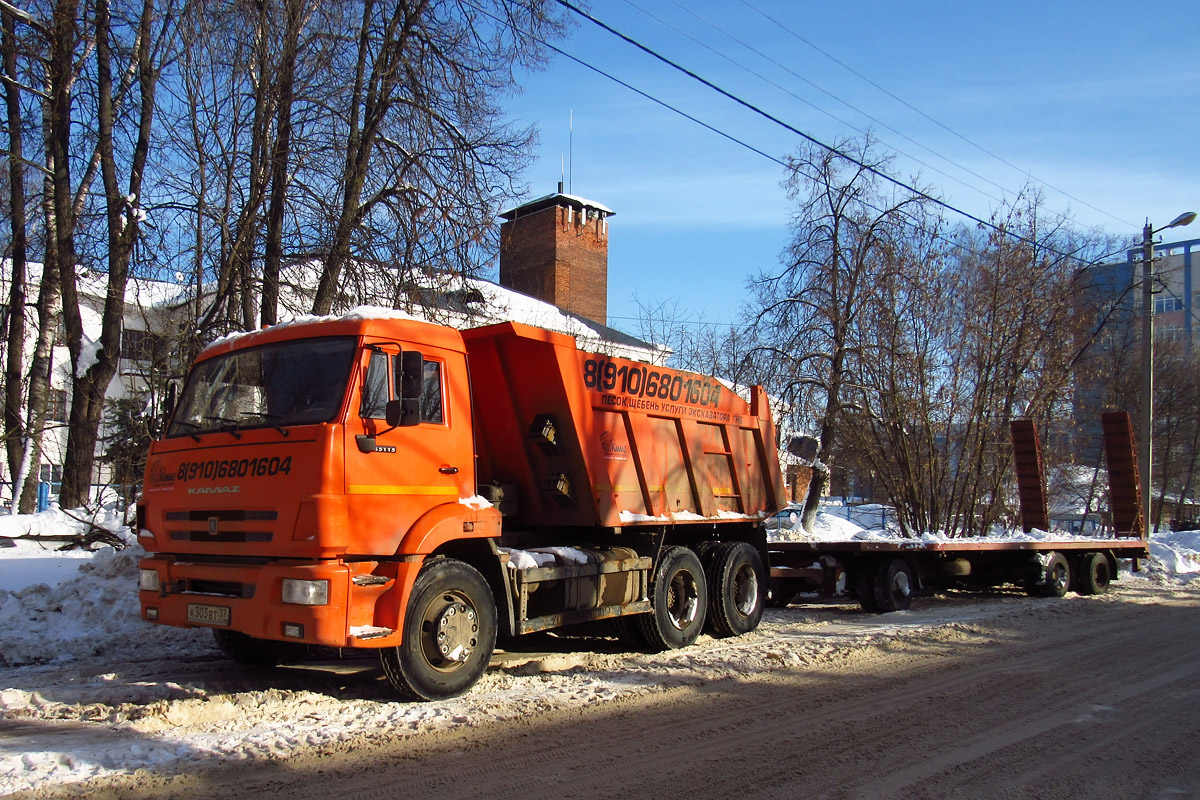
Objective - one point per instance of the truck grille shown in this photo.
(222, 588)
(222, 525)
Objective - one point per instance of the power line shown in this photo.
(767, 57)
(916, 110)
(791, 128)
(956, 243)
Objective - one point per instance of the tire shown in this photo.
(864, 586)
(1093, 574)
(449, 633)
(737, 589)
(679, 599)
(1056, 577)
(251, 652)
(894, 585)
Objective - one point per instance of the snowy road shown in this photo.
(962, 697)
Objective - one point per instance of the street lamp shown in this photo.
(1145, 450)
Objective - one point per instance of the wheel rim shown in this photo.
(683, 600)
(745, 590)
(449, 631)
(1058, 578)
(901, 586)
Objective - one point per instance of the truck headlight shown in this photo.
(148, 580)
(305, 593)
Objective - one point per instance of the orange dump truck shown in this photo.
(392, 484)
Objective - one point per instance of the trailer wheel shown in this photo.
(737, 589)
(1094, 574)
(1056, 576)
(779, 597)
(449, 633)
(258, 652)
(680, 600)
(894, 585)
(864, 586)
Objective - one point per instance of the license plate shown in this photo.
(208, 615)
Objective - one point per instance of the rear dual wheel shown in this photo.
(258, 652)
(679, 602)
(737, 589)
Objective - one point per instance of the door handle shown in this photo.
(448, 470)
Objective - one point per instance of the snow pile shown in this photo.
(1175, 554)
(62, 606)
(827, 527)
(31, 561)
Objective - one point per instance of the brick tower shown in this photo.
(555, 248)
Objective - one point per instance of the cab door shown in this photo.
(395, 475)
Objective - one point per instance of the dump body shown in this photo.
(592, 441)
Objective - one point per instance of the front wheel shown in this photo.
(449, 633)
(737, 589)
(679, 600)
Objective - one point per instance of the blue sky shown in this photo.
(1098, 103)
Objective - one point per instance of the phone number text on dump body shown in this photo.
(641, 381)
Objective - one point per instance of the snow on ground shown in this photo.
(90, 690)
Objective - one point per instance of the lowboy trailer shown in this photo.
(883, 575)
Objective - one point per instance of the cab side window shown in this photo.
(375, 389)
(431, 393)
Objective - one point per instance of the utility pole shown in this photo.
(1146, 435)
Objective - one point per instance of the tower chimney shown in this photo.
(555, 248)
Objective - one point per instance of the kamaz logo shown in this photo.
(214, 489)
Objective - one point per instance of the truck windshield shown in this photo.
(275, 385)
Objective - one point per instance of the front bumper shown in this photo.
(248, 598)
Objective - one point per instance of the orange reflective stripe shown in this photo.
(387, 489)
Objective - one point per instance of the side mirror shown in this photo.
(406, 410)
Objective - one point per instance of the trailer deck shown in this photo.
(884, 574)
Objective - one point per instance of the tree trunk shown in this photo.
(14, 432)
(123, 210)
(280, 156)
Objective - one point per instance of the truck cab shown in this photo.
(283, 505)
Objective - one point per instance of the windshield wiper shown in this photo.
(229, 426)
(268, 418)
(189, 428)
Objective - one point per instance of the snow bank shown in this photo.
(65, 605)
(95, 613)
(827, 527)
(1176, 554)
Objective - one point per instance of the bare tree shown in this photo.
(14, 431)
(148, 29)
(845, 225)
